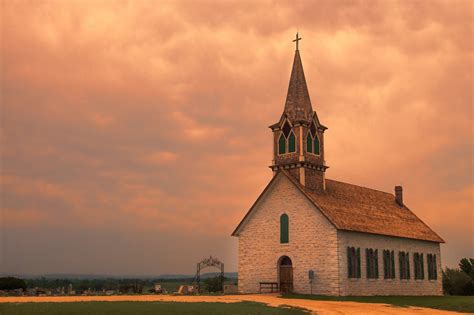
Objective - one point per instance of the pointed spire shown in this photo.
(298, 104)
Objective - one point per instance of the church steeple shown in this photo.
(299, 136)
(298, 104)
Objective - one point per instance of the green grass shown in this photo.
(120, 308)
(450, 303)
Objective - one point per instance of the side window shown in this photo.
(353, 262)
(432, 267)
(388, 264)
(418, 266)
(284, 229)
(404, 263)
(372, 263)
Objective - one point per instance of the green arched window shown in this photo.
(284, 229)
(309, 143)
(291, 143)
(282, 145)
(316, 145)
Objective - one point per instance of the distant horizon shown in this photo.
(90, 276)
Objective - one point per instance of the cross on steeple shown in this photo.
(296, 40)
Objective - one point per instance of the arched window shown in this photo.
(284, 229)
(282, 145)
(312, 140)
(316, 145)
(309, 143)
(291, 143)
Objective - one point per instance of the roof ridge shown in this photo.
(377, 190)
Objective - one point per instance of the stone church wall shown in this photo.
(381, 286)
(312, 243)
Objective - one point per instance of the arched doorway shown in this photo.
(285, 268)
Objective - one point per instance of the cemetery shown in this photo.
(200, 283)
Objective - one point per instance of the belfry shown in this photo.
(298, 139)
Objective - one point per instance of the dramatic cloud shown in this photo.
(134, 134)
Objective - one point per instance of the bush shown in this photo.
(11, 283)
(459, 281)
(214, 284)
(454, 281)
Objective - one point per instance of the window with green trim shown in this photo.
(282, 145)
(312, 140)
(316, 145)
(432, 267)
(284, 229)
(353, 262)
(309, 143)
(418, 266)
(404, 264)
(372, 263)
(292, 143)
(388, 264)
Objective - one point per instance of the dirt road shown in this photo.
(319, 307)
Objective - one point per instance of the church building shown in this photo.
(309, 234)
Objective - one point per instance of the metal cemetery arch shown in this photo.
(209, 262)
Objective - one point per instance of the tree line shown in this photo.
(456, 281)
(211, 284)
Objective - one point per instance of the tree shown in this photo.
(467, 265)
(12, 283)
(460, 281)
(454, 281)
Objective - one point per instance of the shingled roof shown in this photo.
(360, 209)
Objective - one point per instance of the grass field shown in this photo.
(122, 308)
(450, 303)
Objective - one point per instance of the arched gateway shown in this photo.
(285, 274)
(209, 262)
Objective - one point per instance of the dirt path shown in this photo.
(320, 307)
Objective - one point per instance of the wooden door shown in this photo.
(286, 279)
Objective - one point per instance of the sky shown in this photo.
(134, 134)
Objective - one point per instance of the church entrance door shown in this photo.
(286, 274)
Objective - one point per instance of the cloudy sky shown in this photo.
(134, 133)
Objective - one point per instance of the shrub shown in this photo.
(457, 282)
(214, 284)
(11, 283)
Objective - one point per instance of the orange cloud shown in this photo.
(123, 121)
